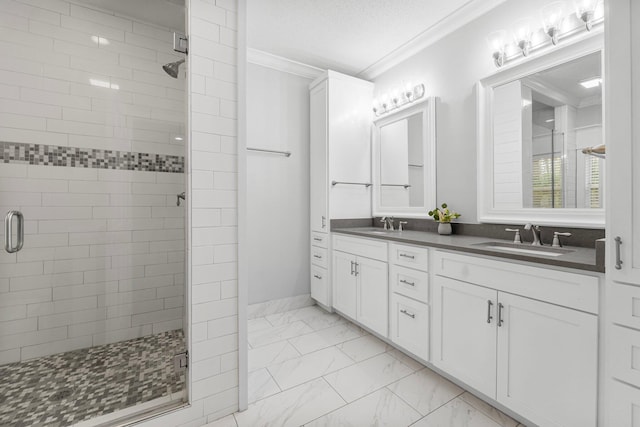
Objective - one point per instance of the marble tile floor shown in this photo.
(67, 388)
(311, 368)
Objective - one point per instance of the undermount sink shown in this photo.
(382, 231)
(524, 248)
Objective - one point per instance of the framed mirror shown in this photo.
(404, 172)
(538, 125)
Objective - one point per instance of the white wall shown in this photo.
(450, 68)
(103, 258)
(277, 186)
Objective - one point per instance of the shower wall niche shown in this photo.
(92, 145)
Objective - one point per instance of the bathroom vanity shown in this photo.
(518, 331)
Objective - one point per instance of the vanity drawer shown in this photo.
(367, 248)
(319, 239)
(627, 300)
(579, 291)
(409, 282)
(409, 256)
(319, 285)
(319, 256)
(410, 325)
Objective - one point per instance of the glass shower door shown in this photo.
(92, 132)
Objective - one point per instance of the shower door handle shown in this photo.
(8, 231)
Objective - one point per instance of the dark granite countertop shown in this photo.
(575, 257)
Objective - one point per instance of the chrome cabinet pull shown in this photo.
(352, 267)
(489, 316)
(317, 277)
(317, 239)
(405, 312)
(8, 231)
(317, 256)
(618, 241)
(406, 282)
(356, 269)
(500, 320)
(407, 256)
(324, 221)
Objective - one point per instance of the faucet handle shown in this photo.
(400, 224)
(384, 221)
(516, 238)
(556, 239)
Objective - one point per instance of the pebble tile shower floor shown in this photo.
(70, 387)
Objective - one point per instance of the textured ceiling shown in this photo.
(165, 13)
(343, 35)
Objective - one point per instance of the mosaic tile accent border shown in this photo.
(74, 157)
(67, 388)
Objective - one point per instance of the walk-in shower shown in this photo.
(92, 158)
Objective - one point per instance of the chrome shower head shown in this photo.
(172, 68)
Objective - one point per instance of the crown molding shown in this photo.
(265, 59)
(460, 17)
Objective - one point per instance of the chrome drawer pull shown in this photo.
(356, 269)
(413, 316)
(406, 282)
(352, 263)
(408, 256)
(489, 316)
(618, 241)
(317, 277)
(317, 256)
(317, 239)
(500, 320)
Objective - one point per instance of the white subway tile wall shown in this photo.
(103, 258)
(213, 169)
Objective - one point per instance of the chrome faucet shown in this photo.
(535, 230)
(388, 223)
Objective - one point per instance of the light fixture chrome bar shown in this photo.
(366, 184)
(264, 150)
(396, 185)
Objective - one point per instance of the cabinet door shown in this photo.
(373, 294)
(547, 362)
(344, 283)
(318, 159)
(624, 407)
(464, 332)
(409, 325)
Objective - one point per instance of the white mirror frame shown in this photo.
(428, 110)
(570, 217)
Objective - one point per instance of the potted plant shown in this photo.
(444, 216)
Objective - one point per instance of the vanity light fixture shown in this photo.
(591, 83)
(397, 99)
(555, 24)
(552, 16)
(522, 35)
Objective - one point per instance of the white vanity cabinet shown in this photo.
(524, 336)
(360, 281)
(409, 297)
(340, 134)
